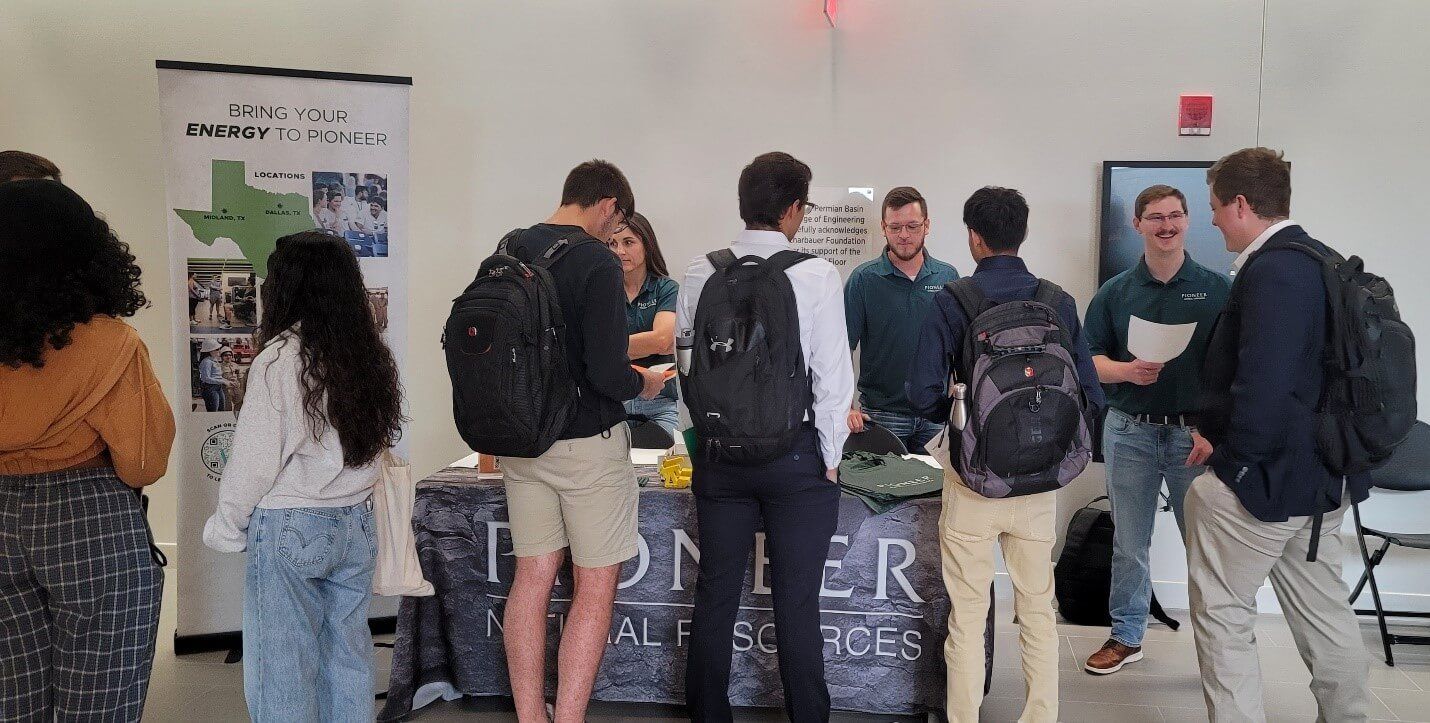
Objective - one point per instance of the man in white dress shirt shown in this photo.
(795, 494)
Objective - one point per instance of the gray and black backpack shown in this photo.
(1027, 429)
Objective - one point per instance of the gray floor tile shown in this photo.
(1397, 678)
(1291, 701)
(1407, 705)
(1000, 710)
(1283, 665)
(1008, 655)
(1076, 712)
(1184, 691)
(1417, 672)
(1272, 631)
(1184, 715)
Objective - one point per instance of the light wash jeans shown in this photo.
(913, 431)
(307, 649)
(660, 410)
(1139, 457)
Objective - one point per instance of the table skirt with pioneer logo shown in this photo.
(885, 610)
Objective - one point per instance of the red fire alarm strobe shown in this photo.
(1195, 118)
(831, 11)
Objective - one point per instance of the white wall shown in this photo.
(947, 96)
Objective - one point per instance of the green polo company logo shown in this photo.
(214, 451)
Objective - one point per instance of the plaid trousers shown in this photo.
(79, 598)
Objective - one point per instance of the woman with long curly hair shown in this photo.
(83, 425)
(322, 405)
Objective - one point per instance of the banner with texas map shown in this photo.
(253, 154)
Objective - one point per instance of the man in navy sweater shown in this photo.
(1025, 526)
(1255, 513)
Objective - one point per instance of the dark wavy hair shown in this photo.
(654, 259)
(60, 265)
(349, 377)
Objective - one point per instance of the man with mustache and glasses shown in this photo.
(884, 304)
(1150, 435)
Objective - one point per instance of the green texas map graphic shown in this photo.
(251, 217)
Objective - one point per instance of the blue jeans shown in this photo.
(1139, 457)
(307, 649)
(214, 398)
(913, 431)
(660, 410)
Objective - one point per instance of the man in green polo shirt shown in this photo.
(1149, 436)
(884, 304)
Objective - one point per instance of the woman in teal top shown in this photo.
(650, 314)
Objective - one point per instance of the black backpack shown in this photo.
(512, 391)
(748, 389)
(1083, 575)
(1027, 429)
(1369, 404)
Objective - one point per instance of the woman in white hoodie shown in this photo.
(322, 405)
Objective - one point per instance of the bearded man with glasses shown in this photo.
(1150, 435)
(884, 305)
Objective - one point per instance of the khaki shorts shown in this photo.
(580, 494)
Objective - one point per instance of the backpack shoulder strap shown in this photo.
(1048, 293)
(1327, 257)
(721, 259)
(506, 240)
(556, 250)
(783, 260)
(969, 296)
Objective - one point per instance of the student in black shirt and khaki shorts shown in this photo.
(581, 493)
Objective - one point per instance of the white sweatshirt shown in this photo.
(275, 462)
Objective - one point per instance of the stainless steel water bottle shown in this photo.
(958, 412)
(684, 346)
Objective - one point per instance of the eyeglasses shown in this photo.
(809, 206)
(625, 223)
(1174, 217)
(895, 228)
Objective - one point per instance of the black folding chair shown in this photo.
(875, 440)
(1408, 470)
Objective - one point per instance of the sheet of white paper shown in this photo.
(1157, 343)
(467, 461)
(646, 456)
(660, 367)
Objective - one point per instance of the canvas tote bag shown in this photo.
(398, 571)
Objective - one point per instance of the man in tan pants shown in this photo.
(1022, 525)
(1024, 528)
(1255, 513)
(1229, 554)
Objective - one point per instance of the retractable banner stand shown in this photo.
(841, 228)
(250, 155)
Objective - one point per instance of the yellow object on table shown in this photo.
(675, 471)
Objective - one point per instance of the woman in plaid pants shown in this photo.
(83, 426)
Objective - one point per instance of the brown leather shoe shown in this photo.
(1111, 657)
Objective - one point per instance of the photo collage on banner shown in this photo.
(251, 155)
